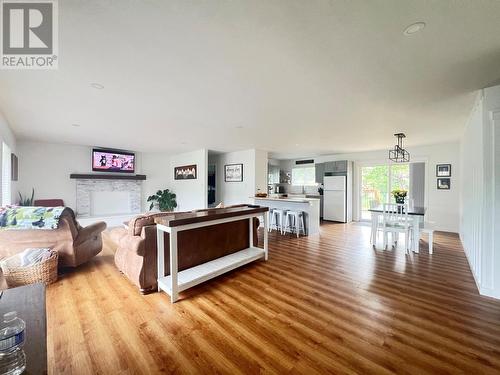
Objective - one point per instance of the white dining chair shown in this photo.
(428, 228)
(395, 220)
(376, 222)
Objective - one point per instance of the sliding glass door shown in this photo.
(377, 182)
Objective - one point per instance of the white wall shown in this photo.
(46, 168)
(191, 194)
(261, 173)
(471, 153)
(254, 176)
(7, 136)
(156, 167)
(480, 202)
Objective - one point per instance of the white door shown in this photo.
(334, 183)
(334, 207)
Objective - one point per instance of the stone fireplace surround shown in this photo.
(89, 189)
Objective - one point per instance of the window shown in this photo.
(6, 175)
(304, 176)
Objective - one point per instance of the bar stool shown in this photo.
(295, 222)
(270, 219)
(278, 218)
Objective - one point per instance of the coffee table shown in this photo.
(29, 302)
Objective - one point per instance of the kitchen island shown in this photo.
(310, 207)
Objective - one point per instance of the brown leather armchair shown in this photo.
(74, 244)
(136, 254)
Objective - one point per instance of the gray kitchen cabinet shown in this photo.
(329, 167)
(341, 166)
(320, 172)
(274, 174)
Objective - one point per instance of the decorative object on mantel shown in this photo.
(233, 173)
(399, 154)
(26, 201)
(443, 170)
(98, 176)
(399, 195)
(444, 183)
(164, 200)
(186, 172)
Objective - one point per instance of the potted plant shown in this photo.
(27, 201)
(399, 195)
(164, 200)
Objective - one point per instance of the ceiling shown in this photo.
(290, 77)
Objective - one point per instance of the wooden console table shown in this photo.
(178, 281)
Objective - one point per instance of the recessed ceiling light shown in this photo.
(76, 125)
(414, 28)
(183, 143)
(97, 86)
(239, 127)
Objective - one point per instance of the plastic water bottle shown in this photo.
(12, 357)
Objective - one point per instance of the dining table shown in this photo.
(415, 213)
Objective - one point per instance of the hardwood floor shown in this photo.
(321, 304)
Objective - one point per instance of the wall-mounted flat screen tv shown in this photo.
(112, 161)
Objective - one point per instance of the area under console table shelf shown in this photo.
(178, 281)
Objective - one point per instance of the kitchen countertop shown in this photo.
(294, 200)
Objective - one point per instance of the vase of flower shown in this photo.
(399, 196)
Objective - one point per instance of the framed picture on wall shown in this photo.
(186, 172)
(443, 170)
(443, 183)
(233, 172)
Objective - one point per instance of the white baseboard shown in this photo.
(489, 292)
(111, 221)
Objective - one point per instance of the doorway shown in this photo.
(377, 182)
(211, 185)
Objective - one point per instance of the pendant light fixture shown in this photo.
(399, 154)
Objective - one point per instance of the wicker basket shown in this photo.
(43, 272)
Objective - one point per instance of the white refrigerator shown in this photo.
(335, 198)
